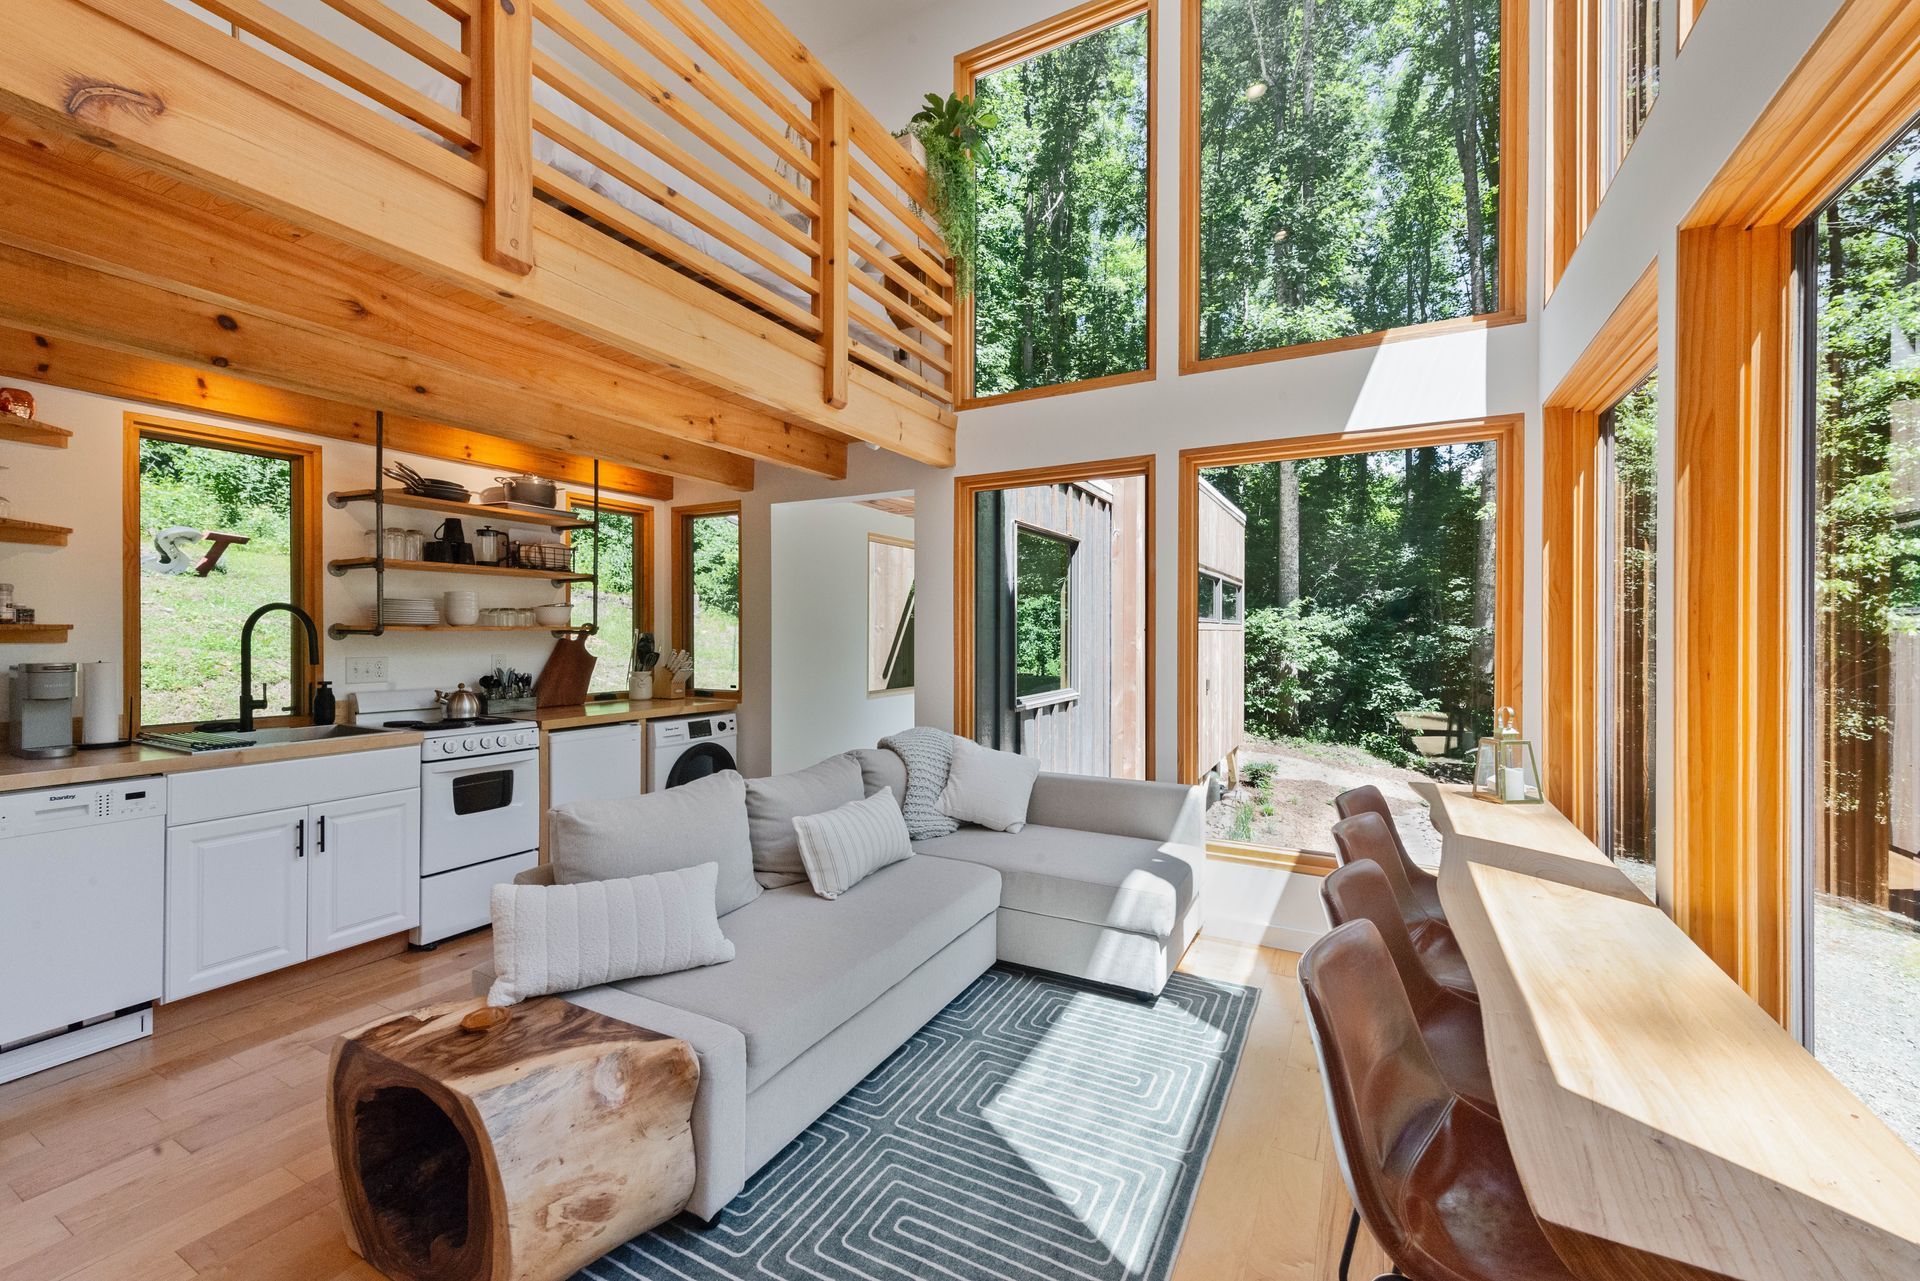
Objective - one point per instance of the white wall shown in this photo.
(81, 583)
(819, 703)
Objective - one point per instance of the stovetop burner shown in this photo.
(471, 722)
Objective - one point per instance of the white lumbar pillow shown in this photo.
(844, 846)
(987, 787)
(558, 938)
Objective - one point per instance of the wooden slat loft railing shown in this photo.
(694, 149)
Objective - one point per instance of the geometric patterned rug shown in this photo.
(1038, 1128)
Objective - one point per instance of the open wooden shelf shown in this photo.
(31, 431)
(441, 567)
(32, 531)
(401, 498)
(338, 630)
(34, 633)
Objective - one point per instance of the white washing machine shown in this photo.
(686, 748)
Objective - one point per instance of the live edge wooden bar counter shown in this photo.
(1664, 1127)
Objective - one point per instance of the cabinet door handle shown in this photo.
(322, 845)
(300, 838)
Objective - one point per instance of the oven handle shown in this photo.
(475, 764)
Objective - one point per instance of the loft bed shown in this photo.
(651, 230)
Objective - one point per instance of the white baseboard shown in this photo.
(1285, 938)
(38, 1056)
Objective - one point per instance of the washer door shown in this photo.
(698, 762)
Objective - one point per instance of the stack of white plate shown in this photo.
(409, 610)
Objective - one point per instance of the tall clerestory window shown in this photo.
(1061, 290)
(1349, 171)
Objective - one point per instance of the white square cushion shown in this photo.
(844, 846)
(701, 822)
(773, 804)
(560, 938)
(988, 788)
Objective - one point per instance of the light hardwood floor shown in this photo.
(202, 1152)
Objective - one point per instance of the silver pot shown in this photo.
(462, 704)
(528, 489)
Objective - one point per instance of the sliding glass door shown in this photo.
(1861, 964)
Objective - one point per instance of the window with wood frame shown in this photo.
(1062, 296)
(1381, 621)
(1861, 961)
(1347, 172)
(1059, 668)
(890, 611)
(217, 522)
(620, 543)
(1606, 77)
(707, 592)
(1629, 754)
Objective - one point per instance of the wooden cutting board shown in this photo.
(564, 681)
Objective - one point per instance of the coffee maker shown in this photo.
(42, 723)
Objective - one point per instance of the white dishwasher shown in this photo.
(82, 920)
(596, 764)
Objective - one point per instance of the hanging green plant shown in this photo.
(953, 131)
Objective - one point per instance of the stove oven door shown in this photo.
(478, 808)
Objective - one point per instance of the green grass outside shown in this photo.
(190, 638)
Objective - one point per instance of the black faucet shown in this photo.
(248, 703)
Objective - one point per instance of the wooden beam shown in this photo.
(65, 200)
(504, 124)
(831, 231)
(83, 367)
(182, 101)
(59, 299)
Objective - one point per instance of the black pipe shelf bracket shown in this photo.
(378, 562)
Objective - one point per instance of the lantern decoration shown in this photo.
(1504, 769)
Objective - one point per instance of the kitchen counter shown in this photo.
(135, 760)
(616, 710)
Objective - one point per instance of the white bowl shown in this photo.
(553, 615)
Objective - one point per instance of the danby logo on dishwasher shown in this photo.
(64, 796)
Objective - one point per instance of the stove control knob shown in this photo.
(487, 740)
(469, 744)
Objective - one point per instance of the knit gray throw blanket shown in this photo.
(929, 757)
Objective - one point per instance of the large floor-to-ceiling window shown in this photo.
(1861, 255)
(1348, 627)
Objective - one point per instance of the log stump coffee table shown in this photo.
(507, 1145)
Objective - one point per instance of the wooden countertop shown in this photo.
(616, 710)
(134, 761)
(1663, 1125)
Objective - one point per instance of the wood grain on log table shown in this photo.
(516, 1149)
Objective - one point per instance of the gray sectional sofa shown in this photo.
(1103, 883)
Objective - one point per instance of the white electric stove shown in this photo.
(479, 806)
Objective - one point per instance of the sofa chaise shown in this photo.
(1103, 883)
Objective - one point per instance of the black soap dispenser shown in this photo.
(323, 703)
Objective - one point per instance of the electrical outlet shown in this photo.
(366, 671)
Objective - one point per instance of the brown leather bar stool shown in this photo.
(1366, 838)
(1424, 884)
(1449, 1022)
(1430, 1173)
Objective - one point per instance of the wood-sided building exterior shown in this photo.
(1091, 718)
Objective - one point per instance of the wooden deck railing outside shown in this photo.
(704, 136)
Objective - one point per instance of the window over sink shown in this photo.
(220, 522)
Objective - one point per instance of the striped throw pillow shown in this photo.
(844, 846)
(560, 938)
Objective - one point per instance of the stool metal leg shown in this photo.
(1346, 1251)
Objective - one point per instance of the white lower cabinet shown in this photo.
(363, 871)
(254, 892)
(236, 900)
